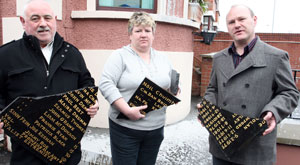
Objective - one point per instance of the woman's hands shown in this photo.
(133, 113)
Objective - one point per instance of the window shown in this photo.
(207, 23)
(127, 5)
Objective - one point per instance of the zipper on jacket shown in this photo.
(46, 67)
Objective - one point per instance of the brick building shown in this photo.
(97, 28)
(203, 55)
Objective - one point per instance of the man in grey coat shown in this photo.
(253, 79)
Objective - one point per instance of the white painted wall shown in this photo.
(12, 29)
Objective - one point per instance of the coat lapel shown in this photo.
(57, 58)
(226, 66)
(256, 58)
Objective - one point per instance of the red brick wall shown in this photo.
(287, 42)
(175, 8)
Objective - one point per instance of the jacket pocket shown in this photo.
(19, 71)
(70, 69)
(69, 76)
(22, 80)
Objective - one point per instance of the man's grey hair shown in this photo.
(26, 5)
(250, 10)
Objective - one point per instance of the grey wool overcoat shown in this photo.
(262, 82)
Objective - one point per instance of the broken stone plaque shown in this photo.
(149, 93)
(230, 130)
(51, 127)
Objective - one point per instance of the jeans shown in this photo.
(134, 147)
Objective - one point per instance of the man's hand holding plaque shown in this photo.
(150, 94)
(1, 125)
(229, 130)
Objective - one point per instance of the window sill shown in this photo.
(288, 132)
(127, 15)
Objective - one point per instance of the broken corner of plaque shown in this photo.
(230, 131)
(51, 127)
(150, 94)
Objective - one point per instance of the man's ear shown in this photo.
(22, 21)
(255, 20)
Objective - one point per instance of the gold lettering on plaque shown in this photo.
(49, 117)
(24, 121)
(148, 86)
(79, 119)
(73, 97)
(79, 94)
(61, 111)
(67, 107)
(77, 125)
(152, 96)
(60, 142)
(68, 99)
(77, 108)
(63, 128)
(43, 136)
(37, 123)
(82, 106)
(47, 123)
(61, 135)
(164, 97)
(14, 113)
(87, 101)
(54, 113)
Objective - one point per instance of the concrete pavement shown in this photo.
(185, 143)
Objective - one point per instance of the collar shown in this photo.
(247, 49)
(49, 45)
(34, 43)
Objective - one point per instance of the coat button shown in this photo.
(62, 56)
(247, 85)
(224, 103)
(244, 106)
(68, 45)
(66, 50)
(45, 88)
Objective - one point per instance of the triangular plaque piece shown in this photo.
(230, 131)
(150, 94)
(51, 127)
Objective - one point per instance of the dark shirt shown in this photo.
(237, 59)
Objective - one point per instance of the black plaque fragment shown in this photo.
(150, 94)
(51, 127)
(230, 131)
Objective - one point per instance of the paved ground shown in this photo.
(4, 155)
(185, 143)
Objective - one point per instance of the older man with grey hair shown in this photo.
(40, 63)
